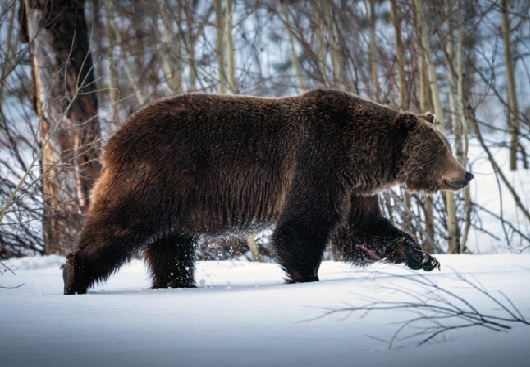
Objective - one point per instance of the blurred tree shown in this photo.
(513, 104)
(448, 58)
(66, 103)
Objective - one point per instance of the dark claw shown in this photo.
(412, 255)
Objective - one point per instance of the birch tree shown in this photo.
(513, 105)
(453, 60)
(372, 50)
(425, 105)
(171, 49)
(220, 47)
(452, 230)
(66, 103)
(295, 60)
(403, 96)
(230, 63)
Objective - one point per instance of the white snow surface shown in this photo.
(242, 314)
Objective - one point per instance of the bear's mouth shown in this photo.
(454, 185)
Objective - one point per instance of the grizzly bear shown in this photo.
(198, 164)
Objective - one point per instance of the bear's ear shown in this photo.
(428, 116)
(406, 120)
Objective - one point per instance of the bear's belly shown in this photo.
(229, 232)
(214, 222)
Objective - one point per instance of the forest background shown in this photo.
(71, 72)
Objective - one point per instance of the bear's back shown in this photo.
(195, 123)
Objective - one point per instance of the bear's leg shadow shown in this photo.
(171, 261)
(366, 237)
(305, 227)
(105, 244)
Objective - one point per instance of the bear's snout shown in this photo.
(458, 182)
(455, 176)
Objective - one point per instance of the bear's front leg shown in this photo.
(299, 248)
(366, 237)
(306, 225)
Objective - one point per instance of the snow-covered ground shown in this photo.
(243, 315)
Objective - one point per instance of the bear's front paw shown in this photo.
(412, 255)
(416, 259)
(300, 277)
(430, 263)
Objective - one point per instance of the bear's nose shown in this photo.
(469, 176)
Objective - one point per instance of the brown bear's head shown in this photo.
(427, 163)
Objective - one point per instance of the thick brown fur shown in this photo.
(206, 164)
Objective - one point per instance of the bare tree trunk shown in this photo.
(464, 124)
(452, 225)
(513, 105)
(372, 51)
(453, 229)
(425, 105)
(171, 46)
(449, 55)
(230, 64)
(5, 68)
(452, 232)
(403, 98)
(128, 72)
(321, 51)
(219, 42)
(66, 103)
(113, 91)
(456, 83)
(334, 46)
(431, 69)
(400, 58)
(193, 66)
(294, 57)
(425, 91)
(191, 37)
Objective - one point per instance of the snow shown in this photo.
(243, 315)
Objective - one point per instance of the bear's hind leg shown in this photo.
(171, 261)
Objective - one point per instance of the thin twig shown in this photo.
(439, 307)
